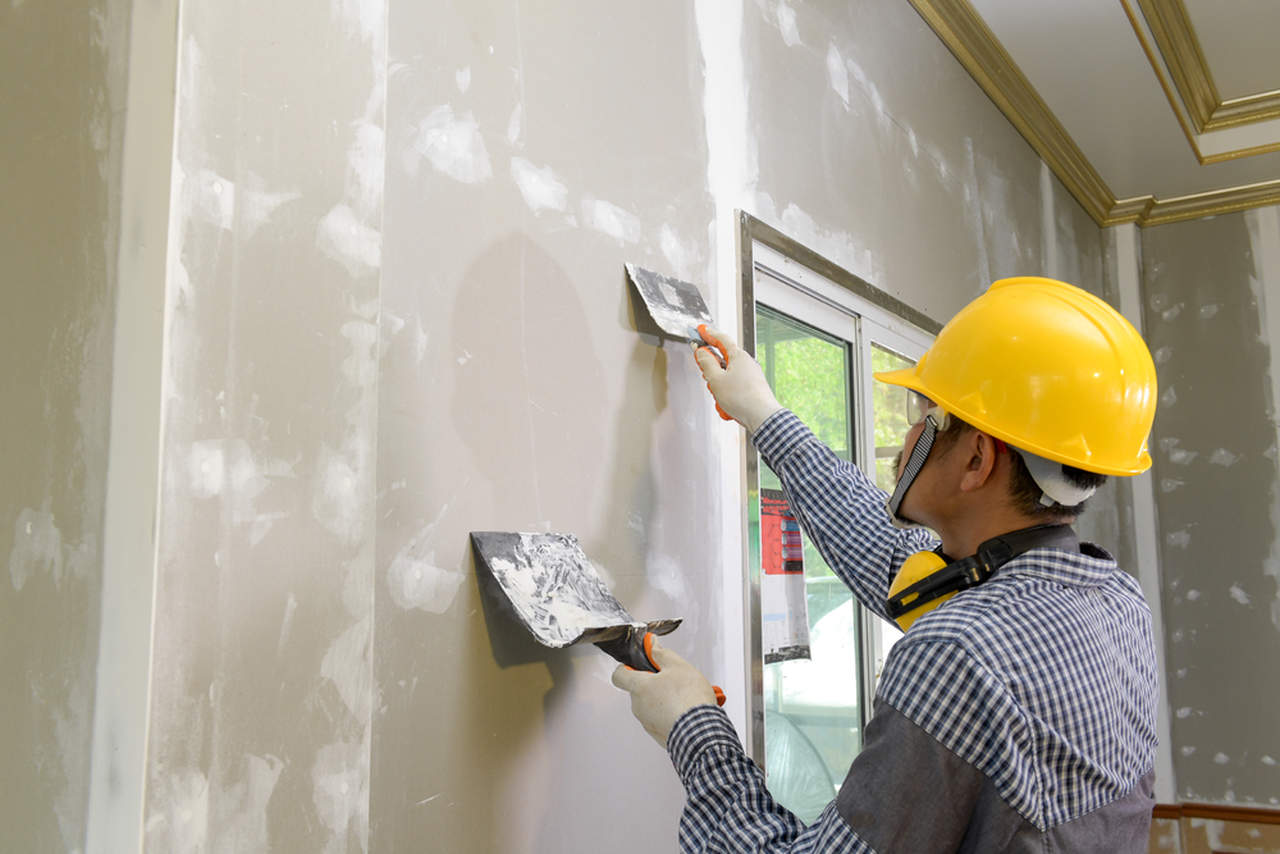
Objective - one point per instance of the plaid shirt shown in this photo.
(1040, 685)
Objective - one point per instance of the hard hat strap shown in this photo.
(919, 454)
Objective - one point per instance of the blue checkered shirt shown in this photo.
(1041, 683)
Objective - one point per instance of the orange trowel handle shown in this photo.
(648, 654)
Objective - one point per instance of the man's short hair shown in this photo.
(1024, 492)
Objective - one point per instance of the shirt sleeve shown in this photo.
(729, 809)
(840, 509)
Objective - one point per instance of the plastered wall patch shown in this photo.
(344, 238)
(608, 218)
(539, 186)
(453, 145)
(37, 547)
(416, 582)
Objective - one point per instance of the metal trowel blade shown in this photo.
(555, 590)
(676, 306)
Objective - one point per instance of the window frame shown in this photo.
(803, 284)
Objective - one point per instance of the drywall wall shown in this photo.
(1212, 322)
(62, 92)
(396, 313)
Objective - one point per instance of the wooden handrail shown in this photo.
(1218, 812)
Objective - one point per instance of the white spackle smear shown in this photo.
(787, 24)
(219, 201)
(1182, 457)
(463, 78)
(366, 170)
(366, 17)
(179, 815)
(1223, 457)
(1221, 758)
(1178, 539)
(539, 186)
(361, 367)
(1163, 355)
(515, 124)
(1169, 484)
(453, 145)
(416, 582)
(286, 623)
(1208, 311)
(240, 819)
(608, 218)
(356, 246)
(37, 547)
(340, 792)
(1183, 712)
(681, 258)
(1237, 593)
(348, 665)
(337, 501)
(838, 73)
(206, 468)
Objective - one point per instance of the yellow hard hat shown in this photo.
(1048, 368)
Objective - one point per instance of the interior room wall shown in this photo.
(1211, 317)
(395, 312)
(61, 94)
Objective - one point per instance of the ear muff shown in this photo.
(927, 579)
(915, 604)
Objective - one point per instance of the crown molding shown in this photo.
(968, 37)
(1175, 35)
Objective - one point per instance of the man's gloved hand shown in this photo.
(659, 699)
(738, 385)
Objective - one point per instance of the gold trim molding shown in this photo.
(1175, 36)
(968, 37)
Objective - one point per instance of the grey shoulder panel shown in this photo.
(906, 792)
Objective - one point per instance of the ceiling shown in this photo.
(1148, 111)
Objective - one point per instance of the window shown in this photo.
(818, 333)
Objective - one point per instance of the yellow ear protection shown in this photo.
(927, 579)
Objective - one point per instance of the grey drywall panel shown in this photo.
(63, 86)
(262, 689)
(530, 153)
(1206, 316)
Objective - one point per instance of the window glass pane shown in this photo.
(812, 707)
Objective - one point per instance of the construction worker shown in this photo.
(1018, 712)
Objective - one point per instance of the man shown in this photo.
(1018, 711)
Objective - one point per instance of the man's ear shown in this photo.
(981, 451)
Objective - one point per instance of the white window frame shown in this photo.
(787, 277)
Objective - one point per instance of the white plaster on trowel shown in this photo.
(453, 145)
(1264, 244)
(540, 187)
(608, 218)
(344, 238)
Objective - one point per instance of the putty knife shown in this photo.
(561, 598)
(676, 306)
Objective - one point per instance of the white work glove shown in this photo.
(738, 385)
(659, 699)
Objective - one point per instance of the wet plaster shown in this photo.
(1208, 324)
(262, 693)
(63, 86)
